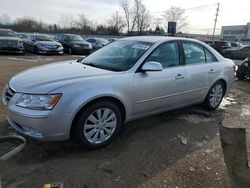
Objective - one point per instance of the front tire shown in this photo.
(70, 51)
(98, 124)
(215, 95)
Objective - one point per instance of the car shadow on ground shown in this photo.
(143, 148)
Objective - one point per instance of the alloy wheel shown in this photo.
(216, 95)
(100, 125)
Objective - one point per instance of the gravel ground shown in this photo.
(175, 149)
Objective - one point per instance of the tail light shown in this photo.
(234, 68)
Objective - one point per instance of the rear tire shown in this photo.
(215, 95)
(98, 124)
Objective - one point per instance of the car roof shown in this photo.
(70, 34)
(155, 39)
(2, 29)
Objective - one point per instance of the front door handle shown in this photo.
(211, 71)
(179, 76)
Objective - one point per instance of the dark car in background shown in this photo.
(43, 44)
(10, 42)
(219, 46)
(112, 39)
(23, 36)
(97, 43)
(243, 70)
(241, 53)
(74, 44)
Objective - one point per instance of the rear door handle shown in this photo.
(179, 76)
(211, 71)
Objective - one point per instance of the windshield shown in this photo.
(43, 38)
(119, 55)
(7, 33)
(74, 38)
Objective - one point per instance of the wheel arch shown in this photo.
(224, 83)
(112, 99)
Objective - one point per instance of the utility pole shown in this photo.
(215, 21)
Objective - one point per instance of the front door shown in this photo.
(156, 91)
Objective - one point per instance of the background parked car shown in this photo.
(243, 70)
(97, 43)
(241, 53)
(219, 46)
(209, 42)
(23, 36)
(43, 44)
(112, 39)
(74, 44)
(10, 42)
(236, 45)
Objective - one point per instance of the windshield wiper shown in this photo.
(90, 64)
(100, 66)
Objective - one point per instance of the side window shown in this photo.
(209, 56)
(167, 54)
(194, 53)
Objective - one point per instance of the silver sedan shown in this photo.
(90, 99)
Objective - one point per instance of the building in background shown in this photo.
(240, 33)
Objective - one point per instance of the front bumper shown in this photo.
(50, 51)
(41, 125)
(81, 50)
(44, 128)
(12, 49)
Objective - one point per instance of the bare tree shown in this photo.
(137, 16)
(127, 12)
(116, 21)
(84, 24)
(176, 14)
(66, 21)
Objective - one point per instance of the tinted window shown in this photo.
(234, 45)
(209, 56)
(91, 40)
(74, 38)
(194, 53)
(167, 54)
(43, 38)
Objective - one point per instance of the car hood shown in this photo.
(9, 39)
(48, 43)
(43, 79)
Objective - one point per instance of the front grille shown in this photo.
(8, 94)
(6, 42)
(53, 47)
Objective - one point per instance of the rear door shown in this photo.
(200, 69)
(156, 91)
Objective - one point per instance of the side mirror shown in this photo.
(152, 66)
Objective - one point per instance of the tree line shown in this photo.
(134, 18)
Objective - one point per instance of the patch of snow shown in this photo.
(226, 102)
(245, 111)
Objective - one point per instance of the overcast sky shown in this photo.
(200, 13)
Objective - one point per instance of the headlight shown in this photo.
(76, 45)
(38, 102)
